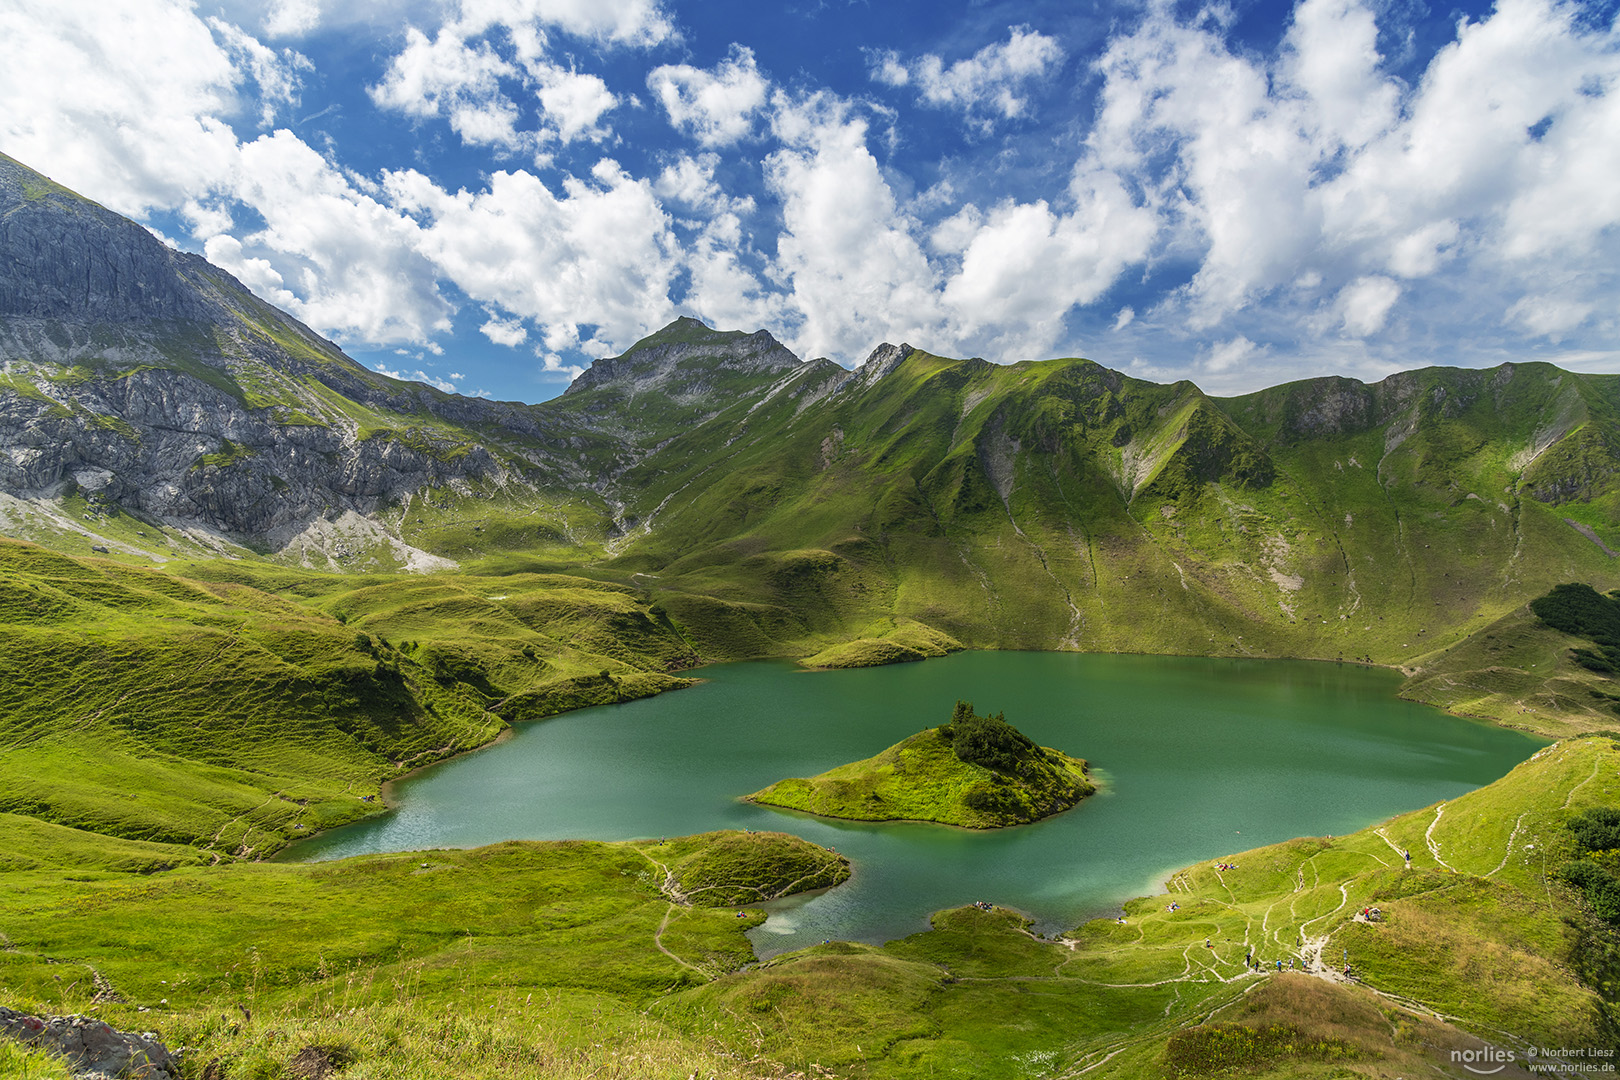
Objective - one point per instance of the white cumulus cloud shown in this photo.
(447, 76)
(592, 264)
(1364, 304)
(715, 107)
(989, 84)
(508, 332)
(574, 103)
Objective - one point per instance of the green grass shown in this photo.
(729, 869)
(240, 708)
(922, 779)
(905, 642)
(20, 1063)
(1475, 931)
(525, 959)
(229, 454)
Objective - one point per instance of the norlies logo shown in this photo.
(1485, 1062)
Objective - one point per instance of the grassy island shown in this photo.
(975, 771)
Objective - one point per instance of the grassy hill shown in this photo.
(517, 960)
(1476, 939)
(935, 776)
(235, 709)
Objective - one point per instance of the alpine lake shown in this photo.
(1196, 759)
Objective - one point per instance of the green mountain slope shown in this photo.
(1062, 505)
(233, 710)
(153, 407)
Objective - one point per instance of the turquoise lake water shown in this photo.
(1198, 758)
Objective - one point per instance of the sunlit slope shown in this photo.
(1474, 940)
(1060, 504)
(239, 707)
(515, 960)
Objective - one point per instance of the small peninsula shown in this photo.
(979, 772)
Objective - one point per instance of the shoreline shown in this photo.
(386, 805)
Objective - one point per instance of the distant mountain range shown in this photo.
(153, 407)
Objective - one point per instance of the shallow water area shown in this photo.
(1200, 759)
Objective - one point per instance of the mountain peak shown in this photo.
(683, 358)
(65, 257)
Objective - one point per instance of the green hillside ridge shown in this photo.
(978, 772)
(1057, 504)
(904, 643)
(242, 707)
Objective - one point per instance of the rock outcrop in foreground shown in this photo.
(91, 1047)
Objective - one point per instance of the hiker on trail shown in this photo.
(1279, 965)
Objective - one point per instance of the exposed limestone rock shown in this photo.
(91, 1047)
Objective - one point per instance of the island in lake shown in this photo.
(976, 771)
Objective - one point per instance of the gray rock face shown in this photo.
(668, 362)
(91, 1047)
(158, 382)
(168, 446)
(65, 256)
(884, 359)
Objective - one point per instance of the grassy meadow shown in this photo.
(231, 711)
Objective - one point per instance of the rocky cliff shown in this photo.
(148, 381)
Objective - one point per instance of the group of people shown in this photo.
(984, 905)
(1226, 866)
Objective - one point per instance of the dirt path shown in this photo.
(1434, 845)
(1393, 846)
(658, 940)
(1583, 783)
(666, 887)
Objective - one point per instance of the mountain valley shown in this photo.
(245, 582)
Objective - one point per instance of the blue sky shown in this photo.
(486, 194)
